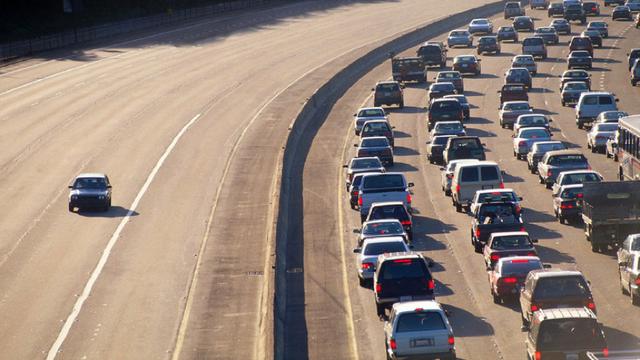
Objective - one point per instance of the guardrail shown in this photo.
(22, 48)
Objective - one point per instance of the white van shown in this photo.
(591, 104)
(468, 178)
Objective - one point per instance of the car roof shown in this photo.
(532, 128)
(374, 138)
(359, 174)
(564, 152)
(380, 221)
(448, 72)
(371, 108)
(365, 157)
(483, 162)
(596, 93)
(442, 99)
(549, 273)
(571, 172)
(509, 233)
(515, 102)
(401, 255)
(386, 82)
(91, 175)
(564, 313)
(462, 161)
(383, 239)
(488, 191)
(411, 306)
(375, 121)
(444, 136)
(447, 83)
(548, 142)
(571, 186)
(448, 122)
(518, 68)
(387, 203)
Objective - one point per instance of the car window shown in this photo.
(371, 113)
(497, 213)
(510, 242)
(404, 268)
(533, 120)
(388, 87)
(382, 248)
(365, 163)
(448, 126)
(549, 147)
(469, 174)
(445, 105)
(533, 134)
(517, 106)
(579, 178)
(372, 142)
(567, 160)
(580, 333)
(389, 212)
(489, 173)
(520, 267)
(467, 143)
(383, 181)
(440, 140)
(561, 286)
(420, 321)
(465, 59)
(375, 127)
(383, 228)
(576, 86)
(430, 49)
(90, 183)
(572, 193)
(606, 100)
(608, 127)
(496, 196)
(590, 100)
(532, 42)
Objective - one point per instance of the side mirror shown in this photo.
(535, 241)
(442, 169)
(402, 86)
(488, 268)
(483, 144)
(355, 145)
(519, 198)
(109, 186)
(550, 120)
(464, 126)
(428, 142)
(503, 172)
(617, 100)
(622, 263)
(355, 114)
(513, 136)
(356, 250)
(393, 127)
(550, 134)
(430, 263)
(546, 266)
(373, 89)
(345, 166)
(448, 313)
(356, 231)
(70, 186)
(411, 184)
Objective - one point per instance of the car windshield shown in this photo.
(576, 74)
(533, 134)
(506, 29)
(518, 73)
(365, 163)
(90, 183)
(371, 113)
(449, 126)
(404, 268)
(516, 106)
(559, 22)
(607, 127)
(440, 140)
(613, 115)
(374, 142)
(511, 242)
(420, 321)
(383, 228)
(594, 33)
(572, 193)
(512, 88)
(384, 247)
(448, 75)
(387, 87)
(549, 147)
(488, 40)
(561, 286)
(532, 120)
(496, 196)
(581, 54)
(576, 86)
(567, 160)
(389, 212)
(445, 105)
(546, 30)
(375, 127)
(581, 41)
(383, 181)
(470, 144)
(520, 267)
(429, 49)
(579, 178)
(532, 42)
(461, 98)
(523, 60)
(459, 33)
(598, 25)
(442, 87)
(580, 333)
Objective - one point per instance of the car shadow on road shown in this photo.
(509, 178)
(486, 76)
(466, 324)
(480, 133)
(410, 110)
(597, 69)
(539, 232)
(480, 120)
(469, 93)
(114, 212)
(620, 340)
(404, 151)
(536, 216)
(400, 134)
(505, 54)
(416, 85)
(403, 167)
(442, 289)
(553, 256)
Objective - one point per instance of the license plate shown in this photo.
(487, 187)
(422, 342)
(465, 65)
(405, 298)
(387, 94)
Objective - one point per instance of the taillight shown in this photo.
(461, 114)
(566, 206)
(431, 284)
(501, 185)
(458, 188)
(408, 198)
(378, 288)
(518, 209)
(588, 167)
(549, 173)
(538, 355)
(451, 340)
(591, 305)
(392, 344)
(367, 266)
(637, 281)
(354, 193)
(522, 143)
(360, 200)
(449, 176)
(510, 280)
(522, 228)
(531, 253)
(534, 307)
(605, 352)
(478, 233)
(405, 222)
(495, 257)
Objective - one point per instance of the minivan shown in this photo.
(591, 104)
(468, 178)
(535, 47)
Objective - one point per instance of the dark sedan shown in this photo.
(488, 44)
(594, 35)
(435, 148)
(562, 26)
(507, 33)
(523, 23)
(555, 9)
(591, 8)
(548, 34)
(575, 75)
(438, 90)
(467, 64)
(579, 59)
(621, 12)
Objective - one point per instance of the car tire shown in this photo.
(580, 125)
(401, 105)
(634, 298)
(564, 103)
(381, 310)
(71, 207)
(496, 298)
(593, 149)
(362, 282)
(447, 192)
(540, 179)
(548, 185)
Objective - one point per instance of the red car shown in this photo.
(509, 274)
(508, 244)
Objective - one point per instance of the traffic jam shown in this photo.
(558, 312)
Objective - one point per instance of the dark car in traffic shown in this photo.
(388, 93)
(581, 43)
(467, 64)
(555, 9)
(90, 191)
(433, 54)
(579, 59)
(507, 33)
(488, 44)
(562, 26)
(377, 146)
(435, 148)
(537, 151)
(378, 128)
(575, 75)
(594, 36)
(621, 12)
(466, 108)
(513, 92)
(591, 8)
(518, 76)
(523, 23)
(464, 147)
(438, 90)
(575, 12)
(444, 110)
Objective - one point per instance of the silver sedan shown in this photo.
(510, 110)
(483, 26)
(599, 134)
(459, 38)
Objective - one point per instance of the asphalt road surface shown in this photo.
(483, 329)
(189, 122)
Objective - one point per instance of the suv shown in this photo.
(388, 93)
(581, 43)
(90, 191)
(575, 12)
(635, 73)
(513, 92)
(555, 9)
(565, 334)
(365, 114)
(554, 288)
(420, 329)
(408, 69)
(489, 44)
(513, 9)
(629, 269)
(433, 54)
(534, 46)
(542, 4)
(444, 110)
(402, 277)
(378, 128)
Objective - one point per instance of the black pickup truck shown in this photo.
(492, 217)
(610, 211)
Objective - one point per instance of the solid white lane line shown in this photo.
(77, 307)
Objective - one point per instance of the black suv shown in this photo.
(575, 12)
(433, 55)
(444, 110)
(488, 44)
(523, 23)
(388, 93)
(565, 334)
(402, 277)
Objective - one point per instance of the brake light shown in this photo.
(402, 261)
(531, 253)
(359, 200)
(522, 143)
(405, 222)
(367, 266)
(605, 352)
(418, 309)
(591, 305)
(518, 209)
(566, 206)
(478, 233)
(431, 284)
(534, 307)
(637, 281)
(588, 167)
(451, 340)
(501, 185)
(549, 173)
(392, 344)
(354, 193)
(449, 176)
(510, 280)
(538, 355)
(579, 195)
(408, 198)
(522, 228)
(378, 288)
(519, 261)
(495, 257)
(458, 188)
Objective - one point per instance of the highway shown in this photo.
(189, 123)
(483, 329)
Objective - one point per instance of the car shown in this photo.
(513, 92)
(444, 110)
(591, 8)
(637, 21)
(581, 43)
(471, 177)
(575, 177)
(448, 128)
(494, 195)
(534, 46)
(480, 26)
(435, 148)
(467, 64)
(433, 54)
(438, 90)
(594, 35)
(354, 187)
(525, 61)
(392, 210)
(362, 165)
(599, 134)
(523, 23)
(600, 26)
(571, 91)
(381, 228)
(388, 93)
(402, 277)
(459, 37)
(404, 69)
(518, 76)
(633, 5)
(525, 137)
(551, 289)
(630, 245)
(513, 9)
(575, 75)
(508, 244)
(575, 12)
(548, 34)
(365, 114)
(537, 151)
(531, 120)
(591, 104)
(635, 73)
(464, 147)
(510, 110)
(377, 146)
(494, 217)
(539, 4)
(383, 187)
(378, 128)
(629, 275)
(555, 9)
(621, 12)
(446, 173)
(488, 44)
(562, 26)
(508, 274)
(557, 161)
(565, 333)
(369, 251)
(466, 108)
(579, 59)
(90, 191)
(632, 55)
(566, 203)
(453, 77)
(507, 33)
(419, 329)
